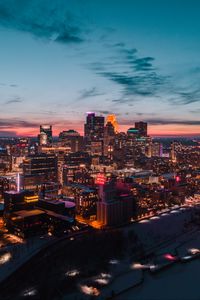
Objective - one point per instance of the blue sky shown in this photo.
(136, 58)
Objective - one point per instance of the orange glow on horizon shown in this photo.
(155, 130)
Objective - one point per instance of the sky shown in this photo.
(138, 59)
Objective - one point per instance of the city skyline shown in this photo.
(62, 59)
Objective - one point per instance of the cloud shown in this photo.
(188, 97)
(16, 123)
(43, 19)
(135, 76)
(16, 99)
(13, 85)
(196, 111)
(108, 112)
(144, 64)
(120, 45)
(138, 77)
(134, 84)
(145, 114)
(159, 121)
(9, 85)
(172, 121)
(93, 92)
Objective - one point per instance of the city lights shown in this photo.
(100, 149)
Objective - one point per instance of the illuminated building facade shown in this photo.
(85, 199)
(41, 165)
(47, 129)
(142, 128)
(43, 139)
(114, 207)
(154, 149)
(133, 132)
(72, 139)
(94, 127)
(75, 167)
(112, 119)
(173, 152)
(94, 134)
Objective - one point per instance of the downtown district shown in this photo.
(104, 179)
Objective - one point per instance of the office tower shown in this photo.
(40, 168)
(112, 119)
(5, 161)
(156, 149)
(94, 127)
(94, 134)
(47, 129)
(133, 132)
(115, 206)
(109, 130)
(173, 152)
(76, 165)
(72, 139)
(142, 128)
(43, 139)
(109, 136)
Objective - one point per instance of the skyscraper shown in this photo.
(72, 139)
(40, 167)
(113, 121)
(173, 152)
(94, 127)
(47, 129)
(142, 128)
(94, 134)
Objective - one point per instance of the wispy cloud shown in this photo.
(92, 92)
(16, 99)
(167, 121)
(135, 75)
(186, 97)
(16, 123)
(173, 121)
(13, 85)
(43, 19)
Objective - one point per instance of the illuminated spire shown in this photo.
(113, 121)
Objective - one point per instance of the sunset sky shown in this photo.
(139, 59)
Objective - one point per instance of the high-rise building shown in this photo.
(156, 149)
(47, 129)
(114, 207)
(94, 134)
(40, 168)
(75, 163)
(173, 152)
(94, 127)
(109, 136)
(43, 139)
(112, 119)
(133, 132)
(142, 128)
(72, 139)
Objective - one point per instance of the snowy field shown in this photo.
(179, 282)
(164, 227)
(171, 235)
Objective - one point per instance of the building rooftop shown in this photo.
(58, 216)
(29, 213)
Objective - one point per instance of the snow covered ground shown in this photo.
(179, 282)
(164, 226)
(167, 234)
(18, 254)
